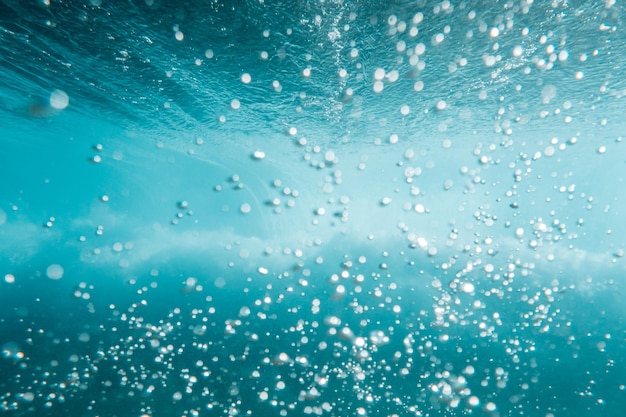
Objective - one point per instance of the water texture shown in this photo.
(312, 208)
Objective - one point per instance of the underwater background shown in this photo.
(312, 208)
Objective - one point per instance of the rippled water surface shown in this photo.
(318, 208)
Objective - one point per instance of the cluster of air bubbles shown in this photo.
(337, 332)
(50, 222)
(316, 156)
(97, 158)
(12, 350)
(183, 210)
(285, 197)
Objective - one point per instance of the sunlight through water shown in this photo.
(312, 208)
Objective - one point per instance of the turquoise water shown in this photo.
(333, 208)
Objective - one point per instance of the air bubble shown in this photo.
(467, 287)
(55, 271)
(59, 100)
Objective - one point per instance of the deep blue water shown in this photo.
(335, 208)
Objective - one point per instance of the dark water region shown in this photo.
(130, 336)
(324, 208)
(311, 65)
